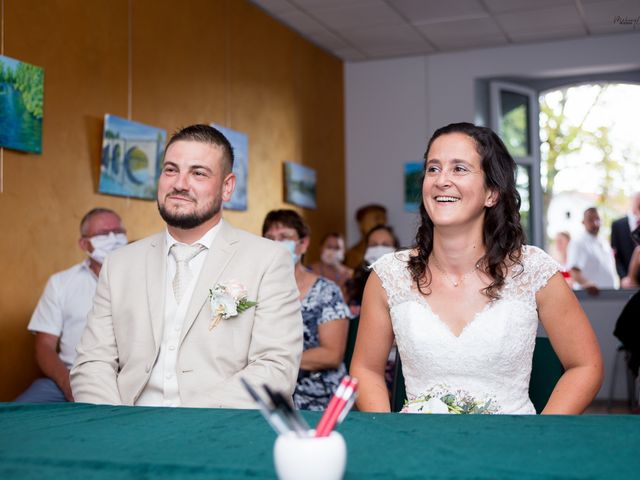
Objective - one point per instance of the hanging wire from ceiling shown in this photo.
(129, 60)
(2, 53)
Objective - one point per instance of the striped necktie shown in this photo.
(183, 254)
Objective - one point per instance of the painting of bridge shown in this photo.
(240, 144)
(131, 158)
(21, 105)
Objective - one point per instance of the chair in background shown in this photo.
(627, 330)
(546, 370)
(351, 341)
(398, 391)
(622, 354)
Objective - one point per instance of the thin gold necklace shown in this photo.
(462, 278)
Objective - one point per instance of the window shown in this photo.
(590, 153)
(514, 117)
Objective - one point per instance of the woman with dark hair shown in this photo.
(324, 316)
(464, 303)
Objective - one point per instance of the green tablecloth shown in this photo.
(102, 442)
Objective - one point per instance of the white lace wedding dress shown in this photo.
(491, 359)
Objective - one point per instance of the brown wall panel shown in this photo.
(220, 61)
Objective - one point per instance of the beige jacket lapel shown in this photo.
(221, 252)
(156, 274)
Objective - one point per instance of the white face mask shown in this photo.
(291, 246)
(105, 244)
(374, 253)
(332, 257)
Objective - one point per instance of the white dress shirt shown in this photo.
(63, 308)
(594, 258)
(162, 387)
(633, 221)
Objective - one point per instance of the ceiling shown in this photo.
(356, 30)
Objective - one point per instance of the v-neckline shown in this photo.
(423, 301)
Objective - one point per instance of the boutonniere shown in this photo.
(228, 300)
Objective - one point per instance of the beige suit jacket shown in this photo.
(124, 330)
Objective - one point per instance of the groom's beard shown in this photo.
(193, 219)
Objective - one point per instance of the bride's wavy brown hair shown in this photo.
(502, 232)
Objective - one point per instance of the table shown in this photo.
(79, 441)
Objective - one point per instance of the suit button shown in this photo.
(172, 347)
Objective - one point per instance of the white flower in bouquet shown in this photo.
(433, 405)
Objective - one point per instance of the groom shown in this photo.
(154, 336)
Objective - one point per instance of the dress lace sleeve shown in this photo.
(538, 268)
(395, 278)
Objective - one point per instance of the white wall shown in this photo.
(386, 123)
(393, 107)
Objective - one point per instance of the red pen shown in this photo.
(349, 404)
(333, 403)
(341, 404)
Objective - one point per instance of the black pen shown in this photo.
(279, 401)
(270, 415)
(294, 414)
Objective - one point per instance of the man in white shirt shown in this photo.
(590, 259)
(180, 317)
(61, 313)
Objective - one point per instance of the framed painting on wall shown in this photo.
(21, 105)
(240, 143)
(299, 185)
(412, 186)
(131, 158)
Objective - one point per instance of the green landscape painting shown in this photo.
(412, 186)
(21, 105)
(299, 185)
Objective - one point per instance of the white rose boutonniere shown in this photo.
(228, 300)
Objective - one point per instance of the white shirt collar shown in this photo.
(591, 236)
(206, 240)
(86, 265)
(633, 221)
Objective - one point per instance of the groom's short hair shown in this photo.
(205, 134)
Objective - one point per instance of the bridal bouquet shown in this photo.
(442, 400)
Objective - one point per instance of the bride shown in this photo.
(464, 303)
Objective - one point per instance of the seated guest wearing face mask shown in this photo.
(330, 265)
(380, 240)
(324, 316)
(61, 313)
